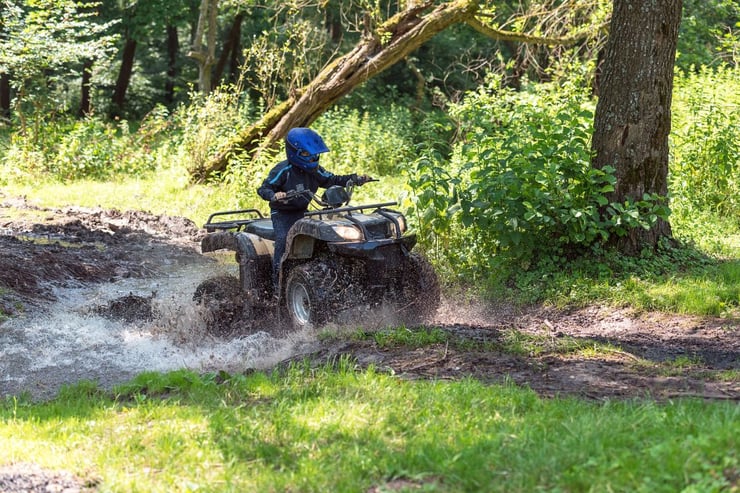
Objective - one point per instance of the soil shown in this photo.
(640, 355)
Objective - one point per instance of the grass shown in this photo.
(169, 191)
(339, 429)
(676, 280)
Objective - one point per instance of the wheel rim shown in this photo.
(300, 304)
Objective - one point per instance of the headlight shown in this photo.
(401, 224)
(348, 232)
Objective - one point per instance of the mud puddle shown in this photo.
(76, 338)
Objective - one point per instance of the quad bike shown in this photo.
(337, 258)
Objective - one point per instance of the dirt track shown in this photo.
(46, 251)
(656, 355)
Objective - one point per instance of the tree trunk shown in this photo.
(633, 115)
(124, 76)
(205, 55)
(230, 51)
(4, 96)
(173, 47)
(85, 90)
(391, 42)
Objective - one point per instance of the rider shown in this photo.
(300, 172)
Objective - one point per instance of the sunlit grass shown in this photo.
(709, 287)
(170, 191)
(166, 192)
(341, 429)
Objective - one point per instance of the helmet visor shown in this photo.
(312, 158)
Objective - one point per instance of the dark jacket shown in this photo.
(285, 177)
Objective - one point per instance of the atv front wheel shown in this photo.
(308, 294)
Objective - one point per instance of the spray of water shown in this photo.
(71, 341)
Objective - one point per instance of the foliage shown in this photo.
(336, 428)
(69, 149)
(279, 62)
(208, 122)
(44, 42)
(709, 34)
(380, 142)
(705, 165)
(520, 186)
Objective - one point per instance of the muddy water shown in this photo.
(70, 341)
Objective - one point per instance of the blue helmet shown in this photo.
(303, 146)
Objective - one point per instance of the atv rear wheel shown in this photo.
(222, 303)
(308, 297)
(217, 288)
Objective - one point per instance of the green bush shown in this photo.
(208, 123)
(520, 186)
(90, 148)
(705, 165)
(379, 143)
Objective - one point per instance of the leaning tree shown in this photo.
(379, 48)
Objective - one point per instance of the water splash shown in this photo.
(70, 341)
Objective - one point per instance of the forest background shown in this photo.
(485, 141)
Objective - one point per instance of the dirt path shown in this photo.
(47, 253)
(549, 350)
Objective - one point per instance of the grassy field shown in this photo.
(340, 429)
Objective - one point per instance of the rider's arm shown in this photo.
(274, 182)
(327, 178)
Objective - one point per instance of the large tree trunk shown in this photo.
(391, 42)
(124, 76)
(633, 115)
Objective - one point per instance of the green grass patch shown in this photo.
(340, 429)
(509, 341)
(169, 191)
(676, 279)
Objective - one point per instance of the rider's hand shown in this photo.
(364, 179)
(279, 196)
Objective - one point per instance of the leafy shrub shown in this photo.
(520, 186)
(70, 149)
(378, 143)
(708, 35)
(210, 122)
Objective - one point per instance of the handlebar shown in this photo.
(349, 188)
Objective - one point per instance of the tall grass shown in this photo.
(340, 429)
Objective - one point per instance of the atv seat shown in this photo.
(262, 228)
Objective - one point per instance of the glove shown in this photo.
(362, 179)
